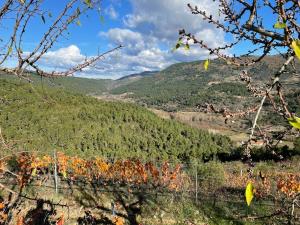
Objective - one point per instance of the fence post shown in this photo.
(196, 184)
(55, 171)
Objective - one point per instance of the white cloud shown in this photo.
(148, 35)
(62, 58)
(111, 12)
(151, 31)
(165, 18)
(133, 42)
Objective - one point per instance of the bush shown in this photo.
(211, 176)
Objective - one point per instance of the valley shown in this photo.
(157, 119)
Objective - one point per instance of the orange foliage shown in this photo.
(125, 171)
(60, 221)
(289, 185)
(3, 214)
(118, 221)
(20, 220)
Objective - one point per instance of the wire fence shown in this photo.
(202, 184)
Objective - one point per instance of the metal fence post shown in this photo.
(196, 184)
(55, 172)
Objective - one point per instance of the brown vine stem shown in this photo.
(7, 189)
(2, 139)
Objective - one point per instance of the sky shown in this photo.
(148, 30)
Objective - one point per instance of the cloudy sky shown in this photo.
(148, 30)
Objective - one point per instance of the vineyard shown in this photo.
(131, 186)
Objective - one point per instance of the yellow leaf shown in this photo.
(33, 173)
(187, 47)
(206, 64)
(88, 3)
(9, 50)
(279, 25)
(249, 193)
(295, 122)
(296, 47)
(64, 173)
(78, 22)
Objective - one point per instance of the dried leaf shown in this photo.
(60, 221)
(118, 221)
(20, 220)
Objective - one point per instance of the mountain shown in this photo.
(73, 84)
(40, 118)
(184, 86)
(188, 85)
(138, 75)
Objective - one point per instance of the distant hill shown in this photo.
(187, 85)
(73, 84)
(37, 118)
(183, 85)
(138, 75)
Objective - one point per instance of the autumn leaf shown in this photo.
(20, 220)
(187, 47)
(279, 25)
(294, 121)
(33, 173)
(88, 3)
(178, 45)
(206, 64)
(118, 221)
(9, 50)
(64, 173)
(60, 221)
(78, 22)
(249, 193)
(296, 47)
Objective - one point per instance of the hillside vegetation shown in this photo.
(183, 86)
(188, 85)
(44, 119)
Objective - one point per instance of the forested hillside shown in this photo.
(185, 85)
(73, 84)
(182, 85)
(42, 119)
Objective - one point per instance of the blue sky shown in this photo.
(148, 29)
